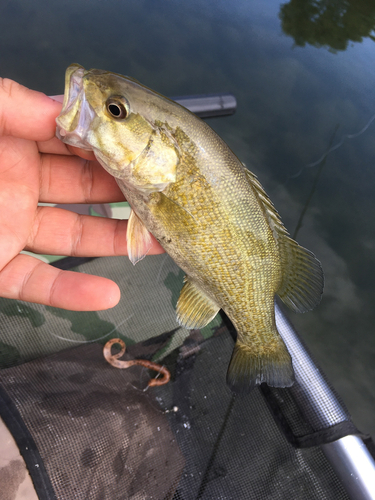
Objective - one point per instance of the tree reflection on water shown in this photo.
(328, 23)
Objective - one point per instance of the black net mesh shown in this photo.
(102, 433)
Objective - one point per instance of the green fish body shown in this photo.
(210, 214)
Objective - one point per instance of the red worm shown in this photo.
(114, 361)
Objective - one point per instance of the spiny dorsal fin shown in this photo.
(270, 211)
(194, 308)
(303, 281)
(138, 239)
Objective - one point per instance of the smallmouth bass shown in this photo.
(211, 215)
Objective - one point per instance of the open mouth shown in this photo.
(76, 115)
(77, 126)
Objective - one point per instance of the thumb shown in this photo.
(26, 113)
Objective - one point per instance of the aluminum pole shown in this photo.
(348, 456)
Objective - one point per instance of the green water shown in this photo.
(303, 73)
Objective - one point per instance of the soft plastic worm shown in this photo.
(113, 359)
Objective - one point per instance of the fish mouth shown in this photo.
(74, 126)
(76, 115)
(74, 121)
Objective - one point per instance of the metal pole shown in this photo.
(354, 465)
(348, 456)
(209, 105)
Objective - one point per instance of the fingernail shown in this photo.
(58, 98)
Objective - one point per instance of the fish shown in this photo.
(209, 212)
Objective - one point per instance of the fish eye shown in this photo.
(117, 107)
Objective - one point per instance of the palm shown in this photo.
(19, 195)
(33, 171)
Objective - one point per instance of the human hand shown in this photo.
(36, 167)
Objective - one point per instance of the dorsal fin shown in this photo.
(270, 211)
(303, 281)
(194, 309)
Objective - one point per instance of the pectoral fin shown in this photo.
(138, 239)
(194, 308)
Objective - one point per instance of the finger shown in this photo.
(29, 279)
(61, 232)
(53, 146)
(69, 179)
(87, 155)
(19, 186)
(26, 113)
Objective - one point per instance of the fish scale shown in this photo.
(213, 217)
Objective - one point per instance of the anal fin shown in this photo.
(194, 308)
(138, 239)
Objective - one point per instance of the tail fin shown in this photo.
(249, 367)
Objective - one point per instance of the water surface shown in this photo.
(303, 73)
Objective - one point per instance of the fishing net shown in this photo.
(87, 430)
